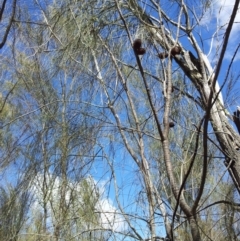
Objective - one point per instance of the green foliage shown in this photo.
(13, 210)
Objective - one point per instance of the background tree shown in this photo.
(124, 91)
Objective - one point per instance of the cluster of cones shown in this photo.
(174, 51)
(140, 51)
(137, 47)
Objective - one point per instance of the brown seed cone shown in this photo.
(137, 44)
(171, 124)
(163, 55)
(176, 50)
(141, 51)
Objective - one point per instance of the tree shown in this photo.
(13, 209)
(140, 72)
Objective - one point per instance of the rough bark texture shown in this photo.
(228, 138)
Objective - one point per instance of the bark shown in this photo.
(205, 81)
(194, 229)
(227, 137)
